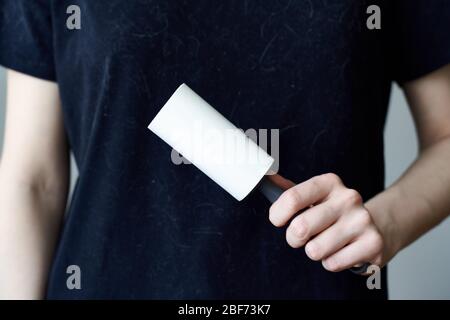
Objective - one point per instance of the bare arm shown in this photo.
(34, 175)
(420, 199)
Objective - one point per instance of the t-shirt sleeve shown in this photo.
(420, 41)
(26, 37)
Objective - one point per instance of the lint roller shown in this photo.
(214, 145)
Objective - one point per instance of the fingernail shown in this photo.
(311, 250)
(329, 263)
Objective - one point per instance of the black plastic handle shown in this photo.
(269, 189)
(361, 269)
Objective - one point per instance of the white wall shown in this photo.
(2, 104)
(422, 270)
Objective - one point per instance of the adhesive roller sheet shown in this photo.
(212, 143)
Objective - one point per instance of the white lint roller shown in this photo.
(214, 145)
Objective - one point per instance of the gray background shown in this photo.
(422, 270)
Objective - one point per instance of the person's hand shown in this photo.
(330, 220)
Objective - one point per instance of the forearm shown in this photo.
(418, 201)
(29, 224)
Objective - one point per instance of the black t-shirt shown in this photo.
(139, 226)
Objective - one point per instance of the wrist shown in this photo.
(382, 209)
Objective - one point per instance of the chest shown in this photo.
(251, 34)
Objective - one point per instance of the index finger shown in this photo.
(301, 196)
